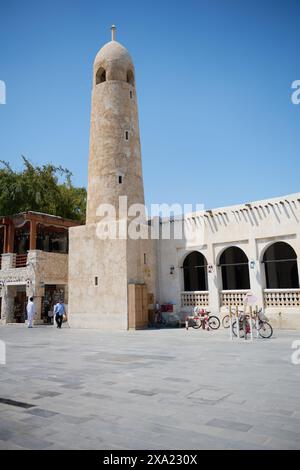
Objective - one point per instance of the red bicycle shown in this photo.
(204, 319)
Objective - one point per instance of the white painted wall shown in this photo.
(250, 227)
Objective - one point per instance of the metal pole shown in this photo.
(251, 329)
(230, 320)
(237, 321)
(244, 318)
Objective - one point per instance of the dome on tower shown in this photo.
(113, 62)
(113, 51)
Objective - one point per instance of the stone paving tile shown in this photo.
(30, 442)
(165, 391)
(221, 423)
(45, 394)
(35, 421)
(280, 444)
(278, 433)
(71, 419)
(177, 379)
(5, 435)
(14, 426)
(73, 386)
(146, 393)
(55, 446)
(5, 445)
(42, 413)
(99, 396)
(208, 396)
(245, 445)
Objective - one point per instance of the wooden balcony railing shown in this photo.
(21, 261)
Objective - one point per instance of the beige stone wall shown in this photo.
(42, 268)
(142, 255)
(103, 306)
(116, 263)
(50, 268)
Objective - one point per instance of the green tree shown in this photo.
(45, 188)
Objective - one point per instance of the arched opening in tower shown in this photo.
(100, 76)
(130, 77)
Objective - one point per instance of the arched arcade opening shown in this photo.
(281, 269)
(195, 272)
(234, 266)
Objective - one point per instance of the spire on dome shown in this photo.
(113, 32)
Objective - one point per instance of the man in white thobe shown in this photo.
(30, 312)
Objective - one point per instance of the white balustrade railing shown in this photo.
(194, 299)
(289, 298)
(282, 298)
(233, 297)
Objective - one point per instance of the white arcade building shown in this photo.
(249, 247)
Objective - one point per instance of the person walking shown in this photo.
(31, 311)
(59, 311)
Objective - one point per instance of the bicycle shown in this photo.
(158, 321)
(264, 328)
(226, 321)
(212, 322)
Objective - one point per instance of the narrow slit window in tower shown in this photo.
(130, 77)
(120, 179)
(126, 135)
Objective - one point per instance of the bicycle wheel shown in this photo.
(196, 323)
(214, 323)
(234, 329)
(265, 330)
(226, 321)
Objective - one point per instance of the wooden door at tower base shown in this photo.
(137, 306)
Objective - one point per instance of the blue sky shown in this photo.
(214, 89)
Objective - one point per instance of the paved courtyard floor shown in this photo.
(163, 389)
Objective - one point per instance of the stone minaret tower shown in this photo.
(109, 278)
(115, 150)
